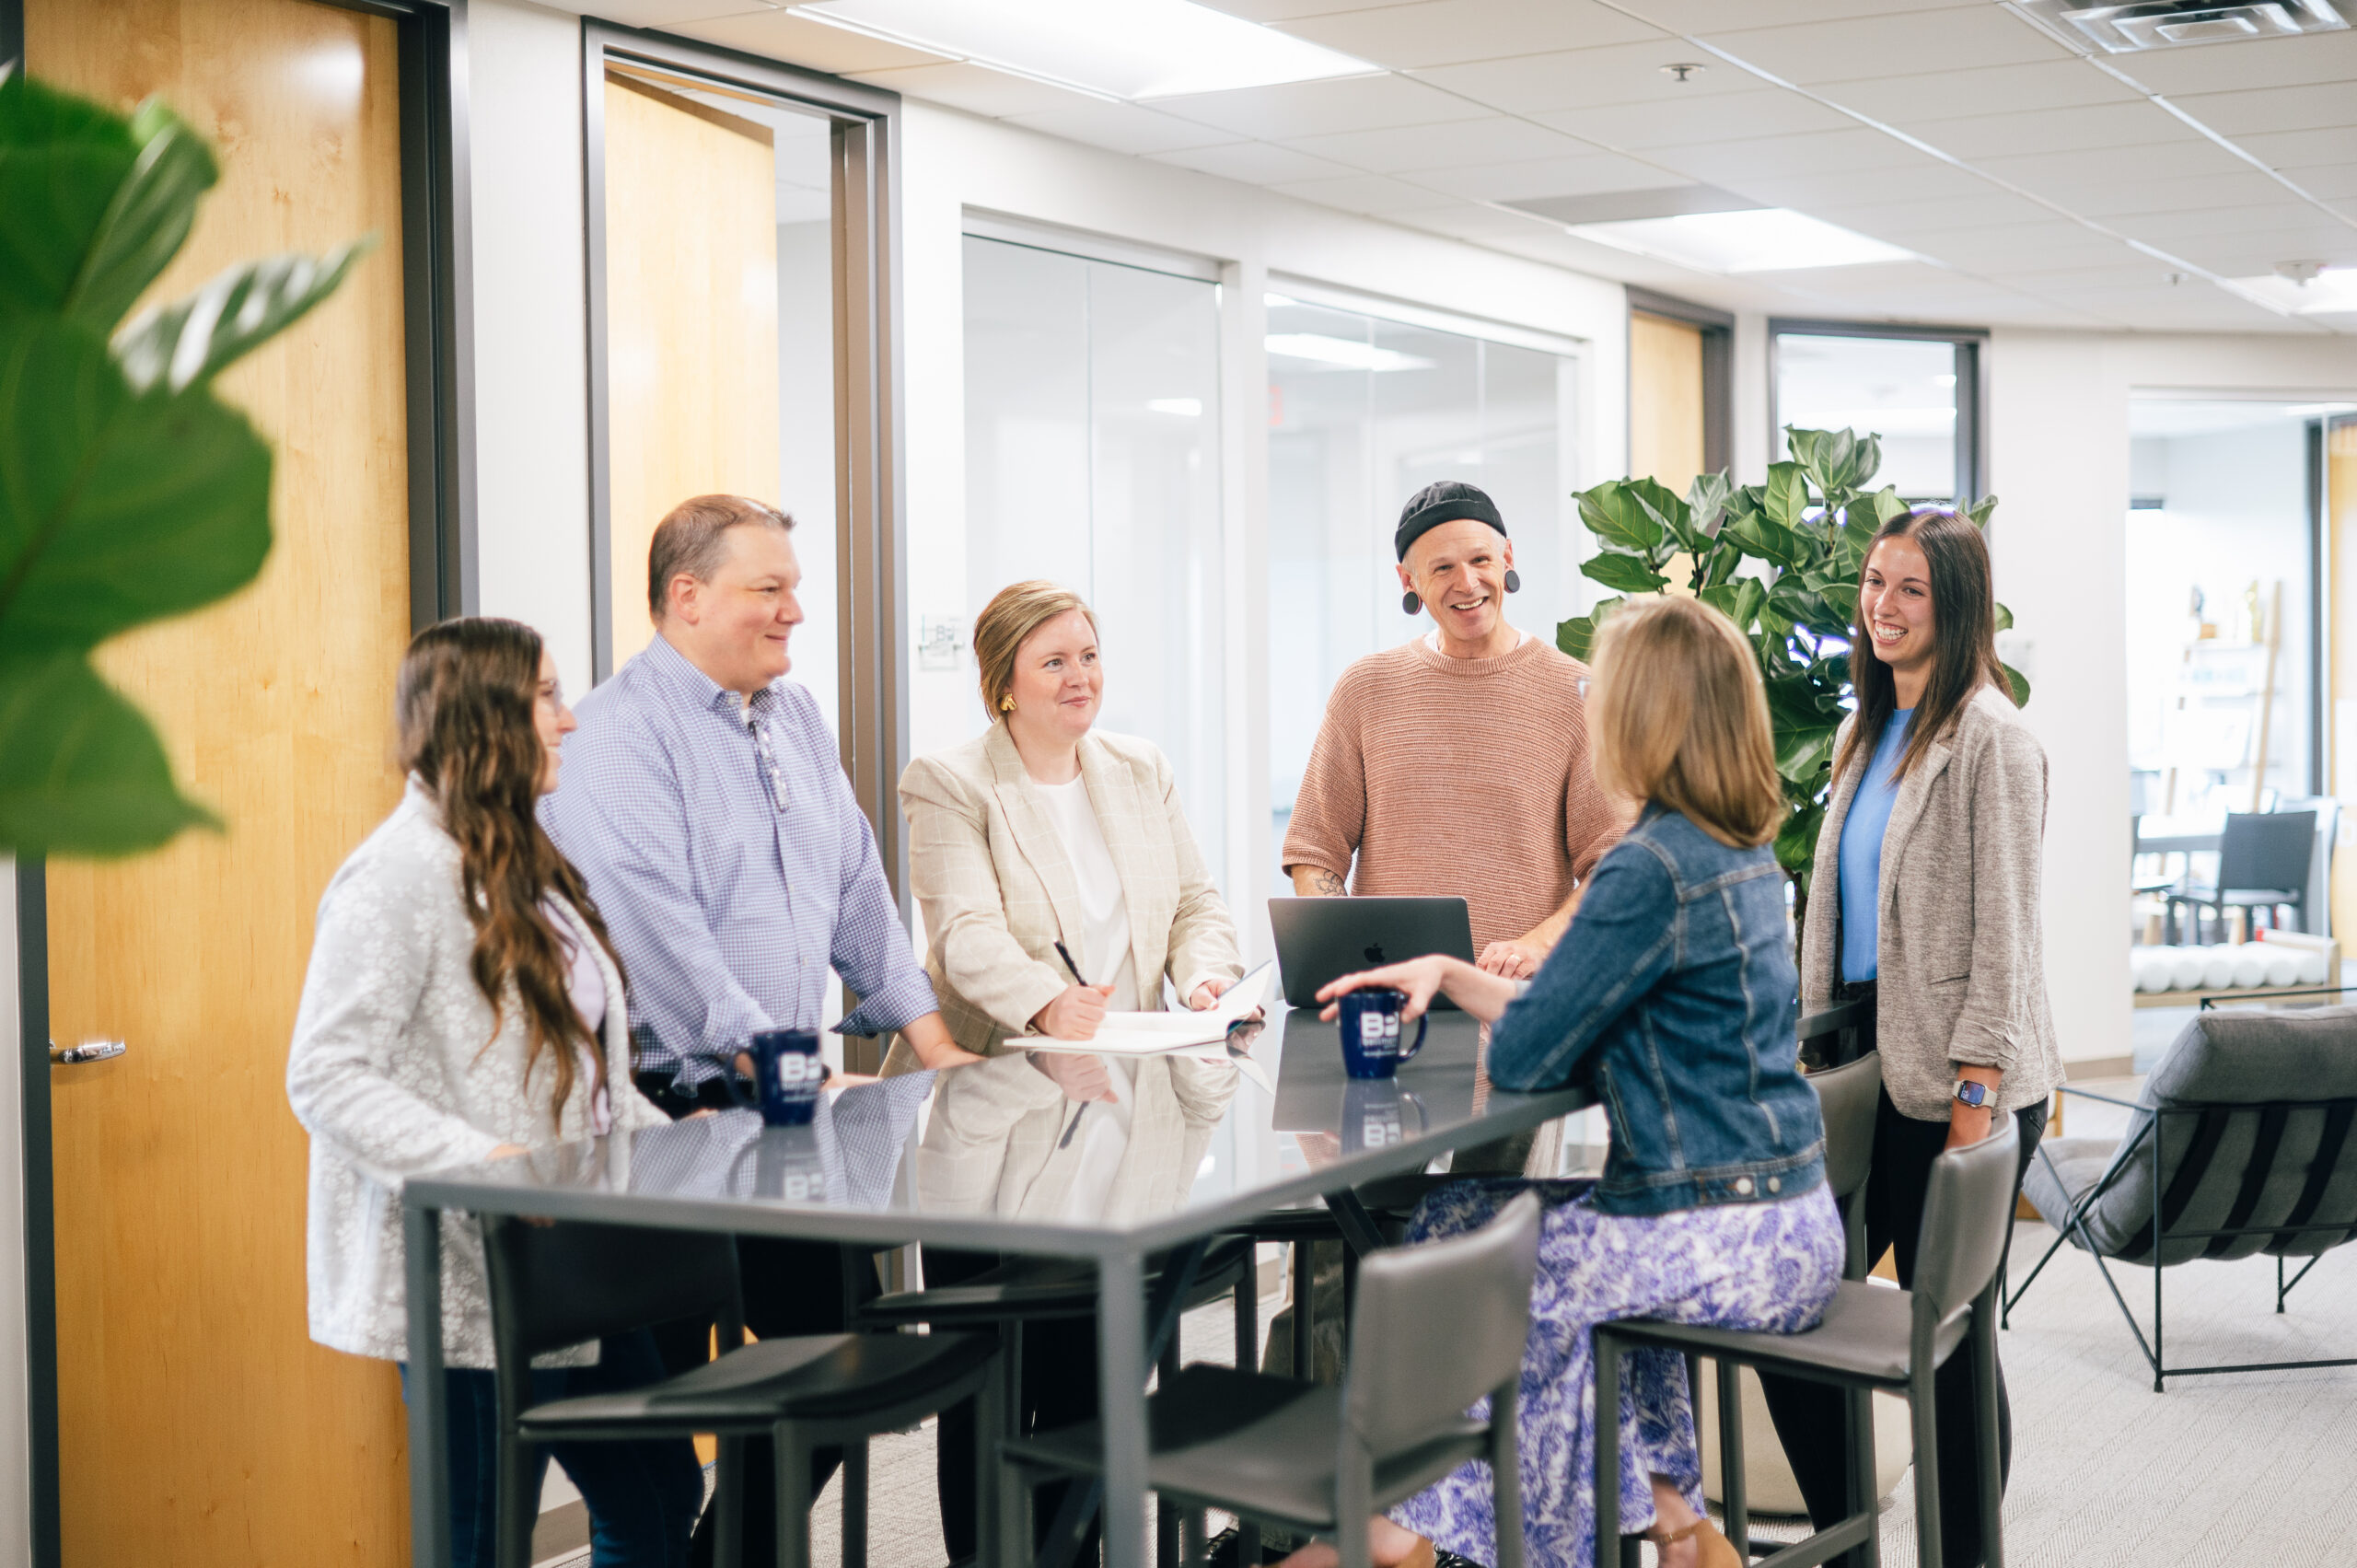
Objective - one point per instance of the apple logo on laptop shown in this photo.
(1375, 955)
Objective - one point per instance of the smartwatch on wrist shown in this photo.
(1972, 1095)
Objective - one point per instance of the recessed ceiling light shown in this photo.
(1343, 353)
(2330, 292)
(1766, 240)
(1120, 49)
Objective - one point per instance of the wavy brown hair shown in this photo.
(1679, 717)
(464, 707)
(1964, 638)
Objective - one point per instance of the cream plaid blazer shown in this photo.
(997, 892)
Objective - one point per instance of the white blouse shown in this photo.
(1103, 1126)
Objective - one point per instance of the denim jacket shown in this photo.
(1675, 989)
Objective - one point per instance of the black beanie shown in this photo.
(1442, 503)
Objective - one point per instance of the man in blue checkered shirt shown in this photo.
(703, 802)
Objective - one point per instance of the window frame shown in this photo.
(1971, 386)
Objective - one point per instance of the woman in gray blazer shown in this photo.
(463, 1004)
(1925, 912)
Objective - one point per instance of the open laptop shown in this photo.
(1322, 939)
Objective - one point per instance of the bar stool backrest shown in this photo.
(1849, 1095)
(1966, 1214)
(2266, 851)
(553, 1285)
(1439, 1326)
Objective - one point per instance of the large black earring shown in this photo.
(1513, 581)
(1410, 602)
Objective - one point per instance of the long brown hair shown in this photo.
(464, 706)
(1681, 719)
(1964, 638)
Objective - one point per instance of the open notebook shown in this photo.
(1203, 1036)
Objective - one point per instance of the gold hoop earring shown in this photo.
(1006, 704)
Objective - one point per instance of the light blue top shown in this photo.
(731, 861)
(1861, 832)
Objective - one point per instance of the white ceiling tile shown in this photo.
(2054, 174)
(1920, 181)
(1577, 78)
(1255, 163)
(1287, 10)
(2081, 128)
(977, 89)
(2334, 182)
(2137, 273)
(1914, 98)
(2292, 149)
(2254, 110)
(1807, 156)
(2204, 194)
(1408, 147)
(673, 14)
(1718, 117)
(2017, 247)
(1123, 128)
(1594, 174)
(2206, 223)
(798, 41)
(1962, 38)
(1468, 220)
(2240, 255)
(1317, 109)
(1447, 32)
(1866, 210)
(1369, 194)
(1713, 16)
(2268, 63)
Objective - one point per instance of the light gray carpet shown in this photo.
(2251, 1468)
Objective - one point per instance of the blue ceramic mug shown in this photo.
(788, 1074)
(1371, 1032)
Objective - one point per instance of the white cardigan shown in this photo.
(391, 1076)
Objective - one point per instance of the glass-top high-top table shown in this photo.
(847, 1179)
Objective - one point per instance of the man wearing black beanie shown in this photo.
(1458, 762)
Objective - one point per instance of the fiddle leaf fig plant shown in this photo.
(1781, 560)
(129, 492)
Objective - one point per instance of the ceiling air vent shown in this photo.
(2123, 28)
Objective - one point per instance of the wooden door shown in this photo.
(692, 320)
(198, 1424)
(1665, 399)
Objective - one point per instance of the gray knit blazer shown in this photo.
(1962, 965)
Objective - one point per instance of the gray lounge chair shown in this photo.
(2242, 1131)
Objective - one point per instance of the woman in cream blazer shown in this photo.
(1042, 832)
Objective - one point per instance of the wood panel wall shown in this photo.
(692, 320)
(1665, 399)
(199, 1425)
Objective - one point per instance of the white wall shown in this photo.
(531, 359)
(2059, 457)
(16, 1446)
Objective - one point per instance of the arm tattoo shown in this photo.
(1328, 884)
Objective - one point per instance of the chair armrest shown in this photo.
(2090, 1094)
(1832, 1020)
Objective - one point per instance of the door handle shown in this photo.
(88, 1051)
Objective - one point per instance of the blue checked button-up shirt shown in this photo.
(733, 867)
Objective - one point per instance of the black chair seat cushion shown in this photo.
(1864, 1334)
(806, 1378)
(1028, 1289)
(1261, 1447)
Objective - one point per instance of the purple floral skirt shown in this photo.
(1759, 1266)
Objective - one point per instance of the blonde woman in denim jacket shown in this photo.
(1673, 990)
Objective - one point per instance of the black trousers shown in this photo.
(790, 1287)
(1808, 1416)
(1059, 1389)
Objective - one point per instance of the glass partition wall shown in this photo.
(1363, 412)
(1917, 389)
(1093, 461)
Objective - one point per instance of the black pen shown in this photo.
(1074, 1126)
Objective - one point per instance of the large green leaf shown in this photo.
(81, 770)
(1796, 843)
(1786, 498)
(1625, 573)
(1614, 513)
(144, 224)
(1662, 507)
(1577, 637)
(1770, 540)
(115, 508)
(62, 161)
(1738, 601)
(1706, 502)
(1979, 511)
(2021, 684)
(193, 339)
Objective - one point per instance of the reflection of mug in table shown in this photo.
(1378, 1113)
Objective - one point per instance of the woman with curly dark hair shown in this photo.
(464, 1005)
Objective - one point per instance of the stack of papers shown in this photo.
(1202, 1036)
